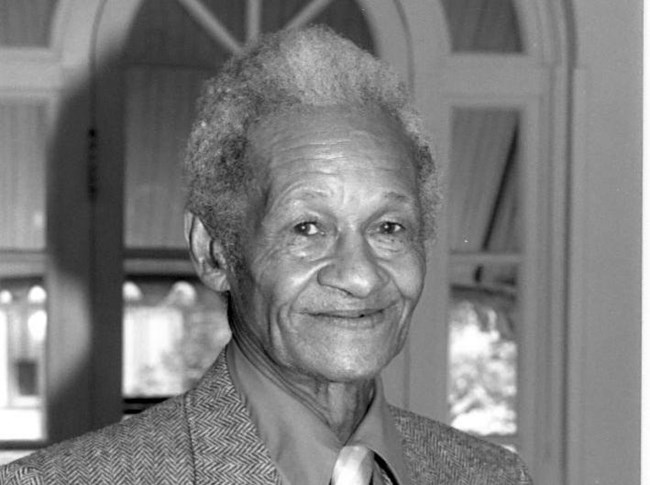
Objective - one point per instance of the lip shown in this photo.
(356, 317)
(349, 314)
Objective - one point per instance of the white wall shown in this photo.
(605, 320)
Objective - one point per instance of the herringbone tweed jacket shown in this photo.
(207, 437)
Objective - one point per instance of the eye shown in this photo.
(308, 228)
(388, 227)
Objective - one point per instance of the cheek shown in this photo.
(279, 279)
(408, 274)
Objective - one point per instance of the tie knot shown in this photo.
(353, 466)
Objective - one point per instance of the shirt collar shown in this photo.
(302, 446)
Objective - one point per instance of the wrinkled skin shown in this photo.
(333, 263)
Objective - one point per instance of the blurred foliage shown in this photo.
(483, 363)
(194, 348)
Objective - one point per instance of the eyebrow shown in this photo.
(397, 197)
(312, 193)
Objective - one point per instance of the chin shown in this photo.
(350, 369)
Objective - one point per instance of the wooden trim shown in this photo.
(492, 76)
(67, 275)
(578, 331)
(158, 261)
(17, 264)
(21, 76)
(533, 274)
(156, 253)
(554, 202)
(73, 30)
(157, 267)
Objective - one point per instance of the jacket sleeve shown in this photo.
(15, 474)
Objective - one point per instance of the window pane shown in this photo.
(483, 349)
(23, 324)
(484, 183)
(22, 176)
(26, 22)
(483, 26)
(164, 34)
(159, 111)
(173, 331)
(344, 16)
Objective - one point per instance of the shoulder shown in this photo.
(441, 454)
(142, 449)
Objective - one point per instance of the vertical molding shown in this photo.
(67, 278)
(428, 356)
(577, 332)
(107, 89)
(532, 280)
(558, 133)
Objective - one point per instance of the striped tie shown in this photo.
(353, 466)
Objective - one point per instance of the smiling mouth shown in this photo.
(366, 317)
(349, 314)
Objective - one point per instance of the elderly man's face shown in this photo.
(334, 264)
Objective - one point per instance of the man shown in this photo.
(311, 194)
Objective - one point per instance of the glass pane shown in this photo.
(483, 26)
(23, 325)
(26, 22)
(483, 191)
(173, 330)
(483, 321)
(343, 16)
(159, 111)
(163, 33)
(22, 176)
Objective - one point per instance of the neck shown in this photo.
(340, 405)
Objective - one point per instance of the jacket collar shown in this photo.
(225, 444)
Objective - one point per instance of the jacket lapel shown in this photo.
(225, 443)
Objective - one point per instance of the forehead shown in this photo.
(330, 140)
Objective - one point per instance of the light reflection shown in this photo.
(37, 325)
(5, 297)
(36, 294)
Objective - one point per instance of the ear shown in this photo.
(207, 254)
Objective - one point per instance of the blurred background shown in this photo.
(528, 332)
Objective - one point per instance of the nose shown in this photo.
(353, 268)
